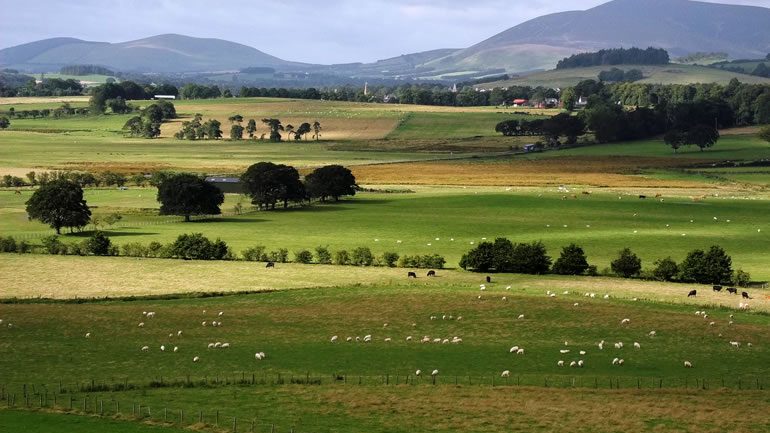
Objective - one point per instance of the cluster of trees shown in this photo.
(268, 183)
(197, 130)
(705, 267)
(200, 91)
(551, 129)
(4, 122)
(15, 84)
(85, 70)
(703, 136)
(82, 179)
(616, 56)
(147, 125)
(64, 110)
(616, 75)
(211, 129)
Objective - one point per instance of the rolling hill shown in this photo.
(168, 53)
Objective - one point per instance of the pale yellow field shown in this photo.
(42, 100)
(65, 277)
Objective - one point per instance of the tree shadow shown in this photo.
(109, 233)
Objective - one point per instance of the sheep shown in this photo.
(560, 363)
(178, 333)
(150, 314)
(418, 372)
(505, 298)
(506, 374)
(521, 316)
(606, 296)
(625, 321)
(576, 304)
(652, 333)
(162, 348)
(221, 313)
(203, 323)
(749, 345)
(367, 338)
(141, 324)
(573, 364)
(437, 340)
(171, 335)
(580, 363)
(687, 364)
(566, 292)
(520, 352)
(552, 295)
(507, 287)
(388, 340)
(425, 339)
(434, 373)
(259, 356)
(637, 345)
(621, 361)
(514, 349)
(564, 351)
(384, 325)
(217, 345)
(582, 352)
(409, 338)
(482, 287)
(196, 359)
(712, 323)
(349, 339)
(601, 345)
(225, 345)
(334, 339)
(457, 340)
(735, 344)
(88, 335)
(145, 348)
(615, 361)
(211, 345)
(176, 349)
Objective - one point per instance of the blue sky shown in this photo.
(317, 31)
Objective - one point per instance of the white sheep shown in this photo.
(580, 363)
(225, 345)
(637, 345)
(521, 316)
(221, 313)
(434, 373)
(514, 349)
(735, 344)
(687, 364)
(621, 361)
(367, 338)
(560, 363)
(520, 352)
(418, 372)
(652, 333)
(625, 321)
(334, 339)
(445, 341)
(88, 335)
(196, 359)
(712, 323)
(141, 324)
(505, 298)
(506, 373)
(150, 314)
(176, 349)
(388, 340)
(457, 340)
(437, 340)
(178, 333)
(615, 361)
(258, 356)
(573, 364)
(211, 345)
(349, 339)
(601, 345)
(582, 352)
(217, 345)
(162, 348)
(409, 338)
(145, 348)
(203, 323)
(564, 351)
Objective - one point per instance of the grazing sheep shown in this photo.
(141, 324)
(457, 340)
(409, 338)
(196, 359)
(388, 340)
(621, 361)
(514, 349)
(637, 345)
(560, 363)
(735, 344)
(162, 348)
(150, 314)
(178, 333)
(171, 335)
(418, 372)
(566, 292)
(221, 313)
(521, 316)
(349, 339)
(580, 363)
(625, 321)
(520, 352)
(425, 339)
(225, 345)
(712, 323)
(576, 304)
(506, 373)
(605, 296)
(367, 339)
(203, 323)
(601, 345)
(552, 295)
(217, 345)
(334, 339)
(176, 349)
(687, 364)
(434, 373)
(88, 335)
(437, 340)
(505, 298)
(582, 352)
(507, 287)
(258, 356)
(615, 361)
(564, 351)
(652, 333)
(573, 364)
(145, 348)
(211, 345)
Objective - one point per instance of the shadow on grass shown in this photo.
(109, 233)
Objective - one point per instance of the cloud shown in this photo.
(331, 31)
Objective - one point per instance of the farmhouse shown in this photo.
(228, 185)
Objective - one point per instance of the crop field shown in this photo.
(438, 180)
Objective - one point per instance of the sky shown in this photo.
(313, 31)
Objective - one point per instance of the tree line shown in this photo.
(616, 56)
(705, 267)
(85, 70)
(211, 129)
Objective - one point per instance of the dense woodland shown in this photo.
(616, 56)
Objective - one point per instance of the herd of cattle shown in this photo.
(732, 290)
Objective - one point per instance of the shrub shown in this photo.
(23, 247)
(422, 262)
(323, 256)
(303, 256)
(362, 256)
(7, 244)
(530, 259)
(134, 249)
(479, 259)
(254, 254)
(712, 267)
(389, 259)
(505, 256)
(197, 247)
(98, 244)
(280, 256)
(571, 262)
(341, 257)
(627, 264)
(742, 278)
(52, 245)
(665, 269)
(157, 250)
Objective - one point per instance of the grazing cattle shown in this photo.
(717, 288)
(270, 265)
(692, 293)
(642, 197)
(745, 295)
(732, 290)
(431, 273)
(489, 279)
(411, 275)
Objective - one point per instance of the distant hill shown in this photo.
(161, 54)
(664, 74)
(680, 26)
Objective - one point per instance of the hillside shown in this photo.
(162, 54)
(667, 74)
(679, 26)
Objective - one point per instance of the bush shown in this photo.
(254, 254)
(389, 259)
(197, 247)
(134, 249)
(665, 269)
(422, 262)
(98, 244)
(7, 244)
(741, 278)
(303, 256)
(362, 256)
(157, 250)
(341, 258)
(712, 267)
(52, 245)
(627, 264)
(480, 259)
(23, 247)
(571, 262)
(323, 256)
(280, 256)
(505, 256)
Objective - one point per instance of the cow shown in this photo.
(732, 290)
(745, 295)
(642, 197)
(270, 265)
(692, 293)
(717, 288)
(431, 273)
(411, 275)
(489, 279)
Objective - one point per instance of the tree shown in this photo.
(211, 129)
(187, 194)
(275, 129)
(267, 183)
(702, 136)
(480, 258)
(236, 118)
(198, 247)
(762, 113)
(4, 122)
(332, 181)
(693, 268)
(571, 262)
(98, 244)
(289, 129)
(675, 139)
(317, 130)
(712, 267)
(236, 132)
(59, 204)
(665, 269)
(764, 133)
(251, 128)
(303, 130)
(627, 264)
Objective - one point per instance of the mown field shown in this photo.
(294, 328)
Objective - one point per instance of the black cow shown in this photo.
(745, 295)
(489, 279)
(431, 273)
(642, 197)
(411, 275)
(732, 290)
(270, 265)
(717, 288)
(692, 293)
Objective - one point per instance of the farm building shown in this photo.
(520, 102)
(228, 185)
